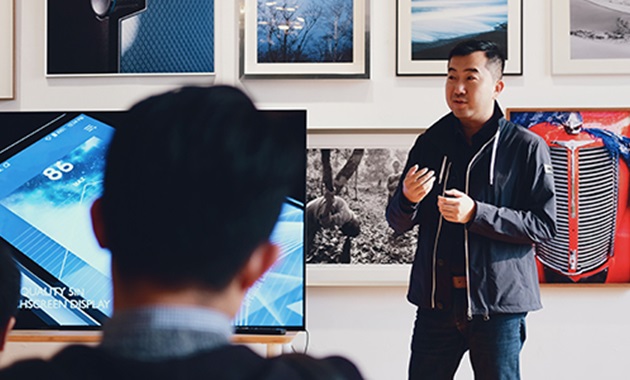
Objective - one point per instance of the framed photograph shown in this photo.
(349, 180)
(140, 37)
(7, 48)
(427, 30)
(590, 155)
(304, 39)
(590, 36)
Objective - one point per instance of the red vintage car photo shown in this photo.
(590, 157)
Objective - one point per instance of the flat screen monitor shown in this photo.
(51, 171)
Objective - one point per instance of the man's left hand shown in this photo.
(456, 207)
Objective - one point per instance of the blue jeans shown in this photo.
(440, 339)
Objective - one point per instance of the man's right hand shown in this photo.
(418, 183)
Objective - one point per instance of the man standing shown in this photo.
(481, 190)
(184, 251)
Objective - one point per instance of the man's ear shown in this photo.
(4, 332)
(260, 261)
(498, 87)
(98, 226)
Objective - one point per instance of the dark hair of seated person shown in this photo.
(188, 196)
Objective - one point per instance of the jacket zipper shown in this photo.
(443, 180)
(466, 252)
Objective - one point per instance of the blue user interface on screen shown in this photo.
(276, 299)
(46, 191)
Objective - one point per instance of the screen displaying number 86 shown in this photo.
(56, 171)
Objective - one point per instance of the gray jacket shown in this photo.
(510, 178)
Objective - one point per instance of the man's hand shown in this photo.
(456, 207)
(418, 183)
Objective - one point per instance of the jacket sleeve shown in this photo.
(400, 212)
(534, 224)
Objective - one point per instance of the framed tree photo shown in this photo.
(427, 30)
(590, 36)
(7, 41)
(304, 39)
(350, 177)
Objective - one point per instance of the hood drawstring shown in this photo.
(493, 156)
(442, 170)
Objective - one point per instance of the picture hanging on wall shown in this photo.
(427, 30)
(591, 36)
(349, 183)
(7, 41)
(304, 39)
(590, 154)
(140, 37)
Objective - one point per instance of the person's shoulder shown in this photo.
(305, 367)
(436, 133)
(228, 352)
(28, 369)
(51, 369)
(343, 367)
(442, 127)
(83, 362)
(521, 133)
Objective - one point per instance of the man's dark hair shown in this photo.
(492, 51)
(194, 182)
(9, 286)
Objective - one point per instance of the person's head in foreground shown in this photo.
(193, 187)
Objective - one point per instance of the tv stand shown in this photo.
(274, 343)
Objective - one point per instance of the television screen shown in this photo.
(51, 171)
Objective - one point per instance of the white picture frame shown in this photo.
(566, 49)
(7, 49)
(357, 67)
(406, 65)
(354, 274)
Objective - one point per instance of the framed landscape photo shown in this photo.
(349, 180)
(129, 38)
(427, 30)
(590, 36)
(590, 159)
(304, 39)
(7, 48)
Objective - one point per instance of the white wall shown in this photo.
(582, 332)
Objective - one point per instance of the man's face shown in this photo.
(471, 89)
